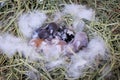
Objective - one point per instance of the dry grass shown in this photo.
(108, 13)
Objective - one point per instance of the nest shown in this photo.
(107, 27)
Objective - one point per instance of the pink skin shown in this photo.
(80, 41)
(56, 44)
(37, 43)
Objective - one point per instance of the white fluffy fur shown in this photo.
(33, 75)
(79, 11)
(86, 57)
(51, 52)
(57, 16)
(28, 22)
(55, 63)
(78, 25)
(7, 44)
(76, 67)
(10, 44)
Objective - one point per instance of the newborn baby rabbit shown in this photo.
(80, 41)
(44, 33)
(59, 36)
(52, 28)
(47, 32)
